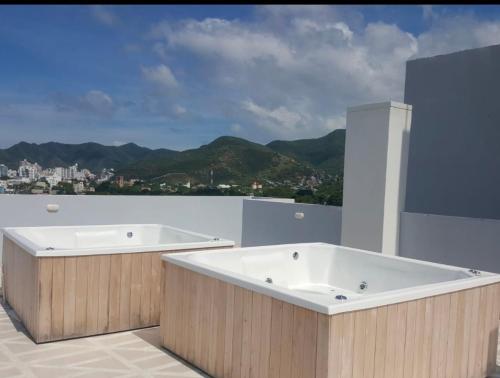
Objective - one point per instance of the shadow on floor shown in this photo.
(16, 322)
(152, 336)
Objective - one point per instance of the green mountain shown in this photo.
(232, 160)
(92, 156)
(325, 153)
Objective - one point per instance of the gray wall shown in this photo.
(454, 155)
(267, 223)
(465, 242)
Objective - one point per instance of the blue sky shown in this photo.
(180, 76)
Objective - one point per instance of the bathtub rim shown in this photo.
(371, 301)
(34, 249)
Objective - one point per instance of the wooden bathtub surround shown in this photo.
(228, 331)
(66, 297)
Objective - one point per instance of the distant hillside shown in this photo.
(324, 153)
(92, 156)
(233, 160)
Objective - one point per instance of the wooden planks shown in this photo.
(67, 297)
(229, 331)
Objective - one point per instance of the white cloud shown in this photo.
(98, 102)
(104, 15)
(457, 33)
(225, 39)
(179, 110)
(94, 103)
(236, 128)
(293, 71)
(161, 76)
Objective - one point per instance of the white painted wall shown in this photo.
(375, 175)
(266, 223)
(465, 242)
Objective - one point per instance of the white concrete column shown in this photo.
(376, 157)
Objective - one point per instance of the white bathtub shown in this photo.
(330, 279)
(108, 239)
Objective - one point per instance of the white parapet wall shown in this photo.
(376, 158)
(277, 222)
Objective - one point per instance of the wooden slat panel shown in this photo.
(287, 340)
(192, 331)
(335, 363)
(265, 340)
(237, 332)
(146, 285)
(310, 344)
(198, 352)
(381, 342)
(82, 274)
(57, 298)
(45, 299)
(255, 335)
(184, 306)
(228, 330)
(246, 334)
(69, 296)
(135, 291)
(452, 335)
(103, 314)
(459, 348)
(347, 344)
(481, 357)
(84, 295)
(400, 337)
(323, 352)
(92, 295)
(298, 347)
(155, 287)
(392, 342)
(359, 343)
(276, 338)
(493, 328)
(125, 285)
(220, 302)
(370, 337)
(115, 272)
(474, 327)
(464, 362)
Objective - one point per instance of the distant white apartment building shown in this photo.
(4, 171)
(29, 170)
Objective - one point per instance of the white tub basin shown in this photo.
(328, 278)
(108, 239)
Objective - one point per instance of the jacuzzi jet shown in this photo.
(269, 280)
(49, 249)
(363, 285)
(216, 239)
(341, 297)
(130, 234)
(295, 255)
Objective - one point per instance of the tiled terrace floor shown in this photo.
(124, 354)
